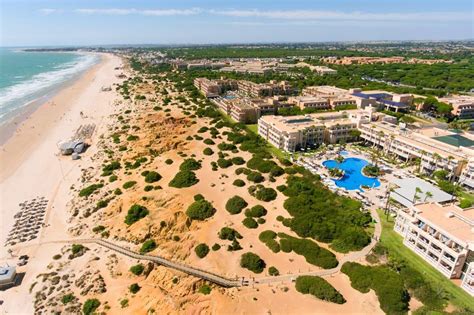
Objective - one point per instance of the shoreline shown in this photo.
(9, 127)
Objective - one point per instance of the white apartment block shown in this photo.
(425, 145)
(443, 235)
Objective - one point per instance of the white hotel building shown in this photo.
(443, 235)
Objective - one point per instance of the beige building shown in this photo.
(214, 88)
(310, 102)
(443, 235)
(463, 106)
(298, 132)
(435, 148)
(266, 89)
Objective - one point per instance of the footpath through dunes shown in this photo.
(205, 275)
(239, 281)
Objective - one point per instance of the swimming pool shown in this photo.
(353, 178)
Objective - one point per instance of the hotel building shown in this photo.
(463, 106)
(214, 88)
(443, 235)
(298, 132)
(436, 148)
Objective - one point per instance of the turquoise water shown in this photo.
(28, 76)
(353, 178)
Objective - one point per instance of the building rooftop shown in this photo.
(450, 218)
(405, 192)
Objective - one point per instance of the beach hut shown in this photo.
(7, 276)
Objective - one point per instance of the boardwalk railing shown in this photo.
(203, 274)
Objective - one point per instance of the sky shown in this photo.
(113, 22)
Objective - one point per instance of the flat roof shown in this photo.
(456, 140)
(407, 189)
(459, 224)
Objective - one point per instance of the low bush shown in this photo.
(262, 165)
(319, 288)
(129, 184)
(209, 141)
(238, 183)
(134, 288)
(262, 193)
(190, 165)
(205, 289)
(200, 210)
(137, 269)
(235, 205)
(238, 160)
(198, 197)
(256, 211)
(255, 177)
(268, 238)
(152, 177)
(227, 233)
(387, 284)
(465, 203)
(89, 190)
(184, 179)
(169, 161)
(252, 262)
(135, 213)
(223, 163)
(224, 146)
(208, 151)
(242, 170)
(250, 223)
(67, 298)
(216, 247)
(311, 251)
(148, 246)
(90, 306)
(201, 250)
(272, 271)
(109, 168)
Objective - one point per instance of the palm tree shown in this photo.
(415, 196)
(451, 170)
(428, 194)
(436, 158)
(423, 153)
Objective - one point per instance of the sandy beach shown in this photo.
(31, 167)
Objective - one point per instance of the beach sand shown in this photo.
(31, 167)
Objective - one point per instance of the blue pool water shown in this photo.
(229, 97)
(344, 153)
(353, 177)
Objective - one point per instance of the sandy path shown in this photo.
(31, 167)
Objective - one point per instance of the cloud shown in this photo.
(339, 15)
(157, 12)
(47, 11)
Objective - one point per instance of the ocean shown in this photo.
(29, 77)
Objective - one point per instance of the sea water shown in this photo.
(26, 77)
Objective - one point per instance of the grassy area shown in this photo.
(393, 242)
(253, 128)
(466, 195)
(273, 150)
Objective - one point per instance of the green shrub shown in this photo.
(89, 190)
(262, 193)
(113, 178)
(387, 284)
(209, 141)
(272, 271)
(250, 223)
(223, 163)
(200, 210)
(208, 151)
(184, 179)
(132, 138)
(135, 213)
(198, 197)
(98, 229)
(67, 298)
(252, 262)
(349, 238)
(205, 289)
(90, 306)
(268, 238)
(242, 170)
(238, 183)
(277, 171)
(102, 204)
(319, 288)
(201, 250)
(263, 166)
(129, 184)
(148, 246)
(216, 247)
(137, 269)
(465, 203)
(134, 288)
(190, 165)
(311, 251)
(124, 303)
(152, 177)
(109, 168)
(238, 160)
(117, 191)
(148, 188)
(256, 211)
(227, 233)
(255, 177)
(226, 146)
(169, 161)
(235, 205)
